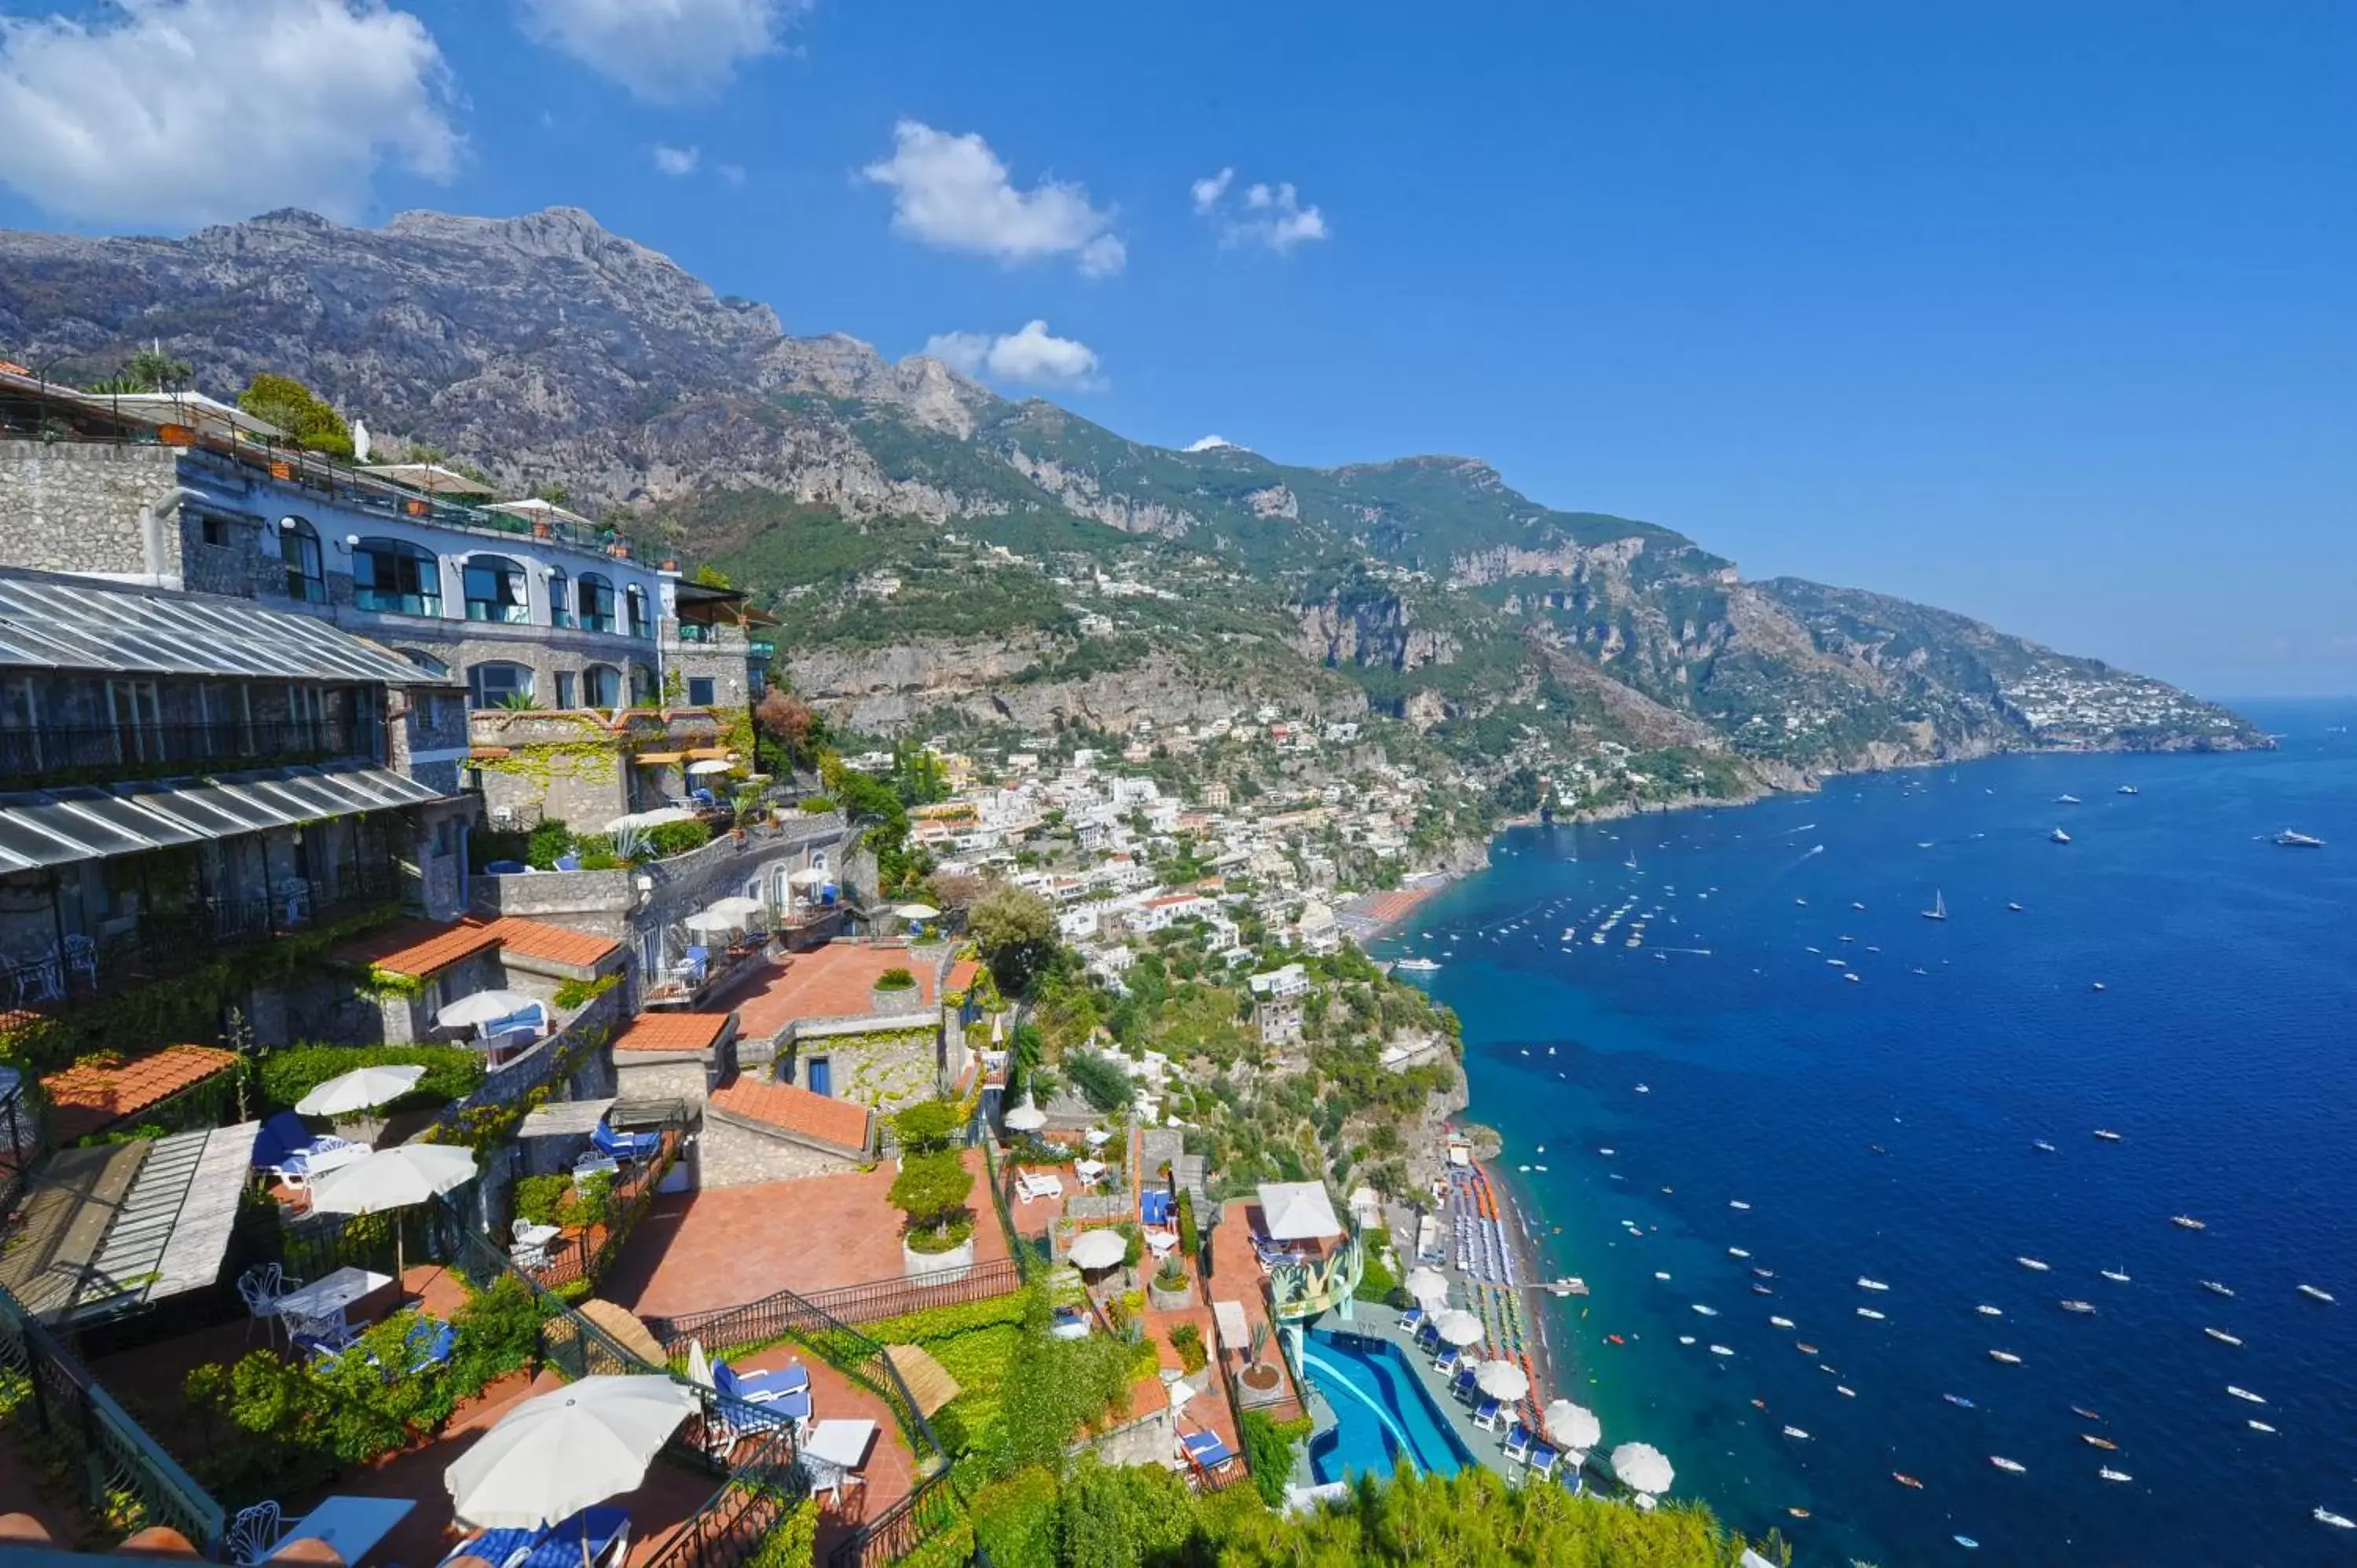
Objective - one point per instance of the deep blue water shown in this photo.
(1380, 1411)
(2222, 1048)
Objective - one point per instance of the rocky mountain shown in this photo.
(941, 556)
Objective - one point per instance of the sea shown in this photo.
(1724, 1088)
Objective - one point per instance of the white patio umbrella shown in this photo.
(1644, 1467)
(559, 1451)
(393, 1178)
(1428, 1285)
(1502, 1380)
(808, 877)
(1458, 1328)
(482, 1007)
(431, 478)
(1026, 1118)
(699, 1368)
(535, 509)
(998, 1028)
(360, 1090)
(654, 818)
(712, 921)
(1098, 1250)
(915, 911)
(736, 904)
(709, 765)
(1573, 1426)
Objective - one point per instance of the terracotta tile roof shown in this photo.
(831, 982)
(793, 1109)
(86, 1100)
(418, 948)
(964, 973)
(673, 1032)
(423, 948)
(534, 939)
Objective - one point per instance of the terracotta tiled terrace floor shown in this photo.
(830, 981)
(890, 1470)
(694, 1252)
(1236, 1276)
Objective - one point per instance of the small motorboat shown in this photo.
(2107, 1136)
(2041, 1145)
(2245, 1395)
(1720, 1351)
(2117, 1276)
(2014, 907)
(2008, 1357)
(1758, 1289)
(2259, 1426)
(1661, 1273)
(1794, 1431)
(1798, 1513)
(2326, 1516)
(2066, 800)
(2108, 1474)
(1758, 1404)
(2058, 836)
(1686, 1338)
(1615, 1339)
(2214, 1288)
(2078, 1306)
(1805, 1347)
(1736, 1203)
(1959, 1401)
(1779, 1323)
(1737, 1253)
(1966, 1542)
(1764, 1274)
(1986, 1310)
(2220, 1336)
(2010, 1466)
(1865, 1284)
(1869, 1312)
(2186, 1222)
(1705, 1311)
(2032, 1264)
(2093, 1441)
(1905, 1479)
(2315, 1295)
(1846, 1390)
(2083, 1413)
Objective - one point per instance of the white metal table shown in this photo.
(333, 1295)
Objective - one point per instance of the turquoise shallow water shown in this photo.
(1886, 1127)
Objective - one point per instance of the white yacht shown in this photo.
(2292, 840)
(1417, 965)
(2315, 1295)
(2245, 1395)
(2058, 836)
(1939, 909)
(2220, 1336)
(2034, 1265)
(1865, 1284)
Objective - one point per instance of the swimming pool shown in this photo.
(1382, 1410)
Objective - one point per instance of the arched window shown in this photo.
(298, 547)
(640, 625)
(601, 686)
(644, 692)
(499, 684)
(396, 577)
(424, 660)
(495, 590)
(560, 597)
(597, 601)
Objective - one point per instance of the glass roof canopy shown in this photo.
(50, 624)
(61, 827)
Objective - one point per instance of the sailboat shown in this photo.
(1939, 909)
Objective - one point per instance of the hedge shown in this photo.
(451, 1072)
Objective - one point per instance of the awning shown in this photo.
(63, 827)
(658, 759)
(1297, 1211)
(1228, 1317)
(708, 753)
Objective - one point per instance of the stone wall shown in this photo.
(596, 901)
(664, 1078)
(71, 508)
(886, 1068)
(731, 1152)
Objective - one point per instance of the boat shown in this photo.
(1758, 1289)
(2186, 1222)
(1805, 1347)
(2315, 1295)
(2083, 1413)
(1986, 1310)
(2126, 789)
(1720, 1351)
(1686, 1338)
(2245, 1395)
(2058, 836)
(2107, 1136)
(1865, 1284)
(2117, 1276)
(2326, 1516)
(1905, 1479)
(1966, 1542)
(2008, 1357)
(2290, 840)
(2010, 1466)
(1758, 1403)
(1764, 1274)
(1779, 1323)
(2093, 1441)
(1661, 1273)
(1939, 909)
(1850, 975)
(2258, 1426)
(1417, 965)
(2078, 1306)
(2220, 1336)
(1796, 1432)
(2214, 1288)
(1959, 1401)
(2066, 800)
(1705, 1311)
(1869, 1312)
(1616, 1339)
(1644, 1089)
(1737, 1253)
(2032, 1264)
(2041, 1145)
(1736, 1203)
(2108, 1474)
(1798, 1513)
(2012, 905)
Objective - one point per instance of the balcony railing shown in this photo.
(61, 753)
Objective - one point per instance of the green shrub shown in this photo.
(931, 1190)
(1113, 1517)
(590, 1201)
(667, 839)
(1015, 1520)
(793, 1541)
(1268, 1451)
(574, 993)
(928, 1126)
(1189, 1238)
(498, 1333)
(451, 1072)
(895, 979)
(547, 844)
(1100, 1081)
(814, 804)
(538, 1198)
(1188, 1340)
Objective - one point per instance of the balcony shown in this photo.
(83, 754)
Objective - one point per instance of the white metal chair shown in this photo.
(82, 957)
(530, 1250)
(260, 1287)
(255, 1533)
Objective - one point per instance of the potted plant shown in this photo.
(1260, 1378)
(1168, 1289)
(930, 1191)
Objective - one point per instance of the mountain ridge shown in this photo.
(913, 527)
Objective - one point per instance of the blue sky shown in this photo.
(2044, 313)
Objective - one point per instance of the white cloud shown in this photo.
(733, 173)
(1208, 444)
(178, 113)
(676, 161)
(1270, 215)
(1033, 357)
(664, 51)
(952, 191)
